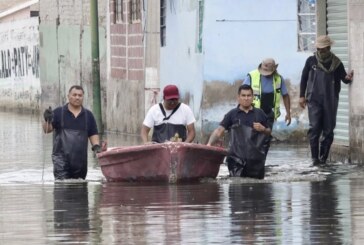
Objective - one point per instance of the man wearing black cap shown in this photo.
(319, 89)
(170, 120)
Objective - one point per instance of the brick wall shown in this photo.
(126, 46)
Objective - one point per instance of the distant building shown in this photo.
(19, 51)
(18, 9)
(206, 48)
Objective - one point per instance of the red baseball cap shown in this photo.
(170, 92)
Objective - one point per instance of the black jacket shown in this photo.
(311, 63)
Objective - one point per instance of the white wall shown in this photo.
(19, 65)
(237, 36)
(180, 64)
(252, 31)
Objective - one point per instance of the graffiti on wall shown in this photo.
(19, 62)
(19, 65)
(19, 51)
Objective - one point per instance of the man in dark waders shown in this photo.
(319, 89)
(248, 127)
(73, 126)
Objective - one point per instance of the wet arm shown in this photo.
(261, 128)
(94, 139)
(47, 127)
(144, 133)
(303, 84)
(216, 134)
(190, 133)
(341, 73)
(304, 78)
(287, 105)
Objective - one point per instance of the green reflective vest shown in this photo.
(257, 90)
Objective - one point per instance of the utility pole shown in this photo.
(96, 88)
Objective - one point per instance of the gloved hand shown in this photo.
(48, 115)
(96, 148)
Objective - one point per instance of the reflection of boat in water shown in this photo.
(169, 162)
(134, 194)
(157, 213)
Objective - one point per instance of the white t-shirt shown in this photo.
(183, 115)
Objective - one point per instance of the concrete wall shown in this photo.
(356, 93)
(126, 77)
(65, 49)
(237, 36)
(180, 63)
(19, 65)
(152, 53)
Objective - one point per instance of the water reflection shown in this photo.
(325, 214)
(71, 211)
(252, 213)
(158, 214)
(295, 204)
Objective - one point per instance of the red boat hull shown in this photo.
(170, 162)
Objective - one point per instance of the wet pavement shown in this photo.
(295, 204)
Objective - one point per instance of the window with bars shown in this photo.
(306, 10)
(134, 11)
(118, 11)
(163, 22)
(200, 25)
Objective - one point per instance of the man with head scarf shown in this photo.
(319, 90)
(171, 120)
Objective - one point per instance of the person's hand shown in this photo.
(258, 127)
(103, 145)
(302, 102)
(96, 148)
(288, 119)
(48, 115)
(350, 75)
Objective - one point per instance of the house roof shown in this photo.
(10, 6)
(6, 4)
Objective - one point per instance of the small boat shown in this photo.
(169, 162)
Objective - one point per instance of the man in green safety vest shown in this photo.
(268, 87)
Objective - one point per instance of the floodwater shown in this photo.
(294, 204)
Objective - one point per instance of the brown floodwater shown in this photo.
(294, 204)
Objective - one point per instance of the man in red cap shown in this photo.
(170, 120)
(319, 90)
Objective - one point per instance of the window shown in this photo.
(118, 11)
(306, 25)
(134, 11)
(163, 22)
(200, 25)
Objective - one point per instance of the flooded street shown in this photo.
(294, 204)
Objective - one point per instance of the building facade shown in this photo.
(204, 47)
(19, 64)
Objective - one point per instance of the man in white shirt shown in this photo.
(170, 119)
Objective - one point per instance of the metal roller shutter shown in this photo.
(337, 29)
